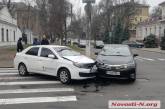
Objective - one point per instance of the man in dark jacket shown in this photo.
(19, 45)
(44, 41)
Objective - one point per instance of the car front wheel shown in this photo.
(64, 76)
(22, 70)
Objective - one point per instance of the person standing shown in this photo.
(44, 41)
(19, 45)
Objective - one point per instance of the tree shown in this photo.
(156, 12)
(162, 43)
(151, 41)
(116, 18)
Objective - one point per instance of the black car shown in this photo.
(116, 61)
(133, 44)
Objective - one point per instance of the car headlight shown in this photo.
(78, 65)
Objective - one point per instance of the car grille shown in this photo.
(111, 67)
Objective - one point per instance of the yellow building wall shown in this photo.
(142, 15)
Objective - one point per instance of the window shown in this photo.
(2, 31)
(45, 52)
(7, 35)
(33, 51)
(140, 19)
(14, 35)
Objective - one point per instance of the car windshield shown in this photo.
(64, 51)
(99, 42)
(115, 51)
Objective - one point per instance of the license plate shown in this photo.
(113, 73)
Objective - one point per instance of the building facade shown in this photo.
(9, 31)
(142, 13)
(154, 26)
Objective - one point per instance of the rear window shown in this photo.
(33, 51)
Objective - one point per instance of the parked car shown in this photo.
(116, 61)
(99, 44)
(60, 61)
(133, 44)
(82, 44)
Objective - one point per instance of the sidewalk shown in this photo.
(157, 50)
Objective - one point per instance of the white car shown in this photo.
(60, 61)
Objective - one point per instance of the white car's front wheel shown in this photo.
(64, 76)
(22, 70)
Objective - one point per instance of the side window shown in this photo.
(33, 51)
(45, 52)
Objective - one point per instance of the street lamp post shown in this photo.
(88, 10)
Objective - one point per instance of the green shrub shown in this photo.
(162, 43)
(151, 41)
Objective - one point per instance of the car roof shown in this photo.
(56, 46)
(115, 45)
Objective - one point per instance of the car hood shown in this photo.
(115, 60)
(79, 59)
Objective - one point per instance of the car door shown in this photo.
(31, 57)
(49, 65)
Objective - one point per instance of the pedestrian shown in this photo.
(36, 41)
(44, 41)
(19, 45)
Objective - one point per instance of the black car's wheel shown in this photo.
(64, 76)
(132, 77)
(22, 70)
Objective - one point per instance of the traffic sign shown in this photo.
(89, 1)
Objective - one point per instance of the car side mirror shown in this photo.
(135, 55)
(51, 56)
(96, 53)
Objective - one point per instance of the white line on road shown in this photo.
(28, 83)
(41, 90)
(148, 59)
(160, 59)
(37, 100)
(3, 74)
(8, 70)
(15, 78)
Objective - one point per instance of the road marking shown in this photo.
(8, 71)
(160, 59)
(41, 90)
(6, 74)
(37, 100)
(28, 83)
(148, 59)
(15, 78)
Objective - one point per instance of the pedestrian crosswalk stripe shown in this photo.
(7, 71)
(15, 78)
(37, 100)
(36, 90)
(28, 83)
(160, 59)
(5, 74)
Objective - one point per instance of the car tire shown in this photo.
(22, 70)
(64, 76)
(132, 78)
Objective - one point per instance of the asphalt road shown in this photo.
(35, 89)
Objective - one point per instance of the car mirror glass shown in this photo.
(135, 55)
